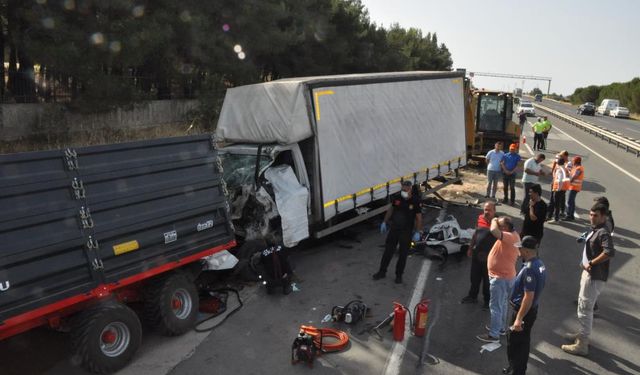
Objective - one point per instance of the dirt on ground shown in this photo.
(474, 182)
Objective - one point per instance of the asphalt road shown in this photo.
(626, 127)
(257, 340)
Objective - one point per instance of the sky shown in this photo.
(575, 42)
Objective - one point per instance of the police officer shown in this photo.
(524, 300)
(403, 218)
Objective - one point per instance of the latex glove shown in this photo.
(416, 236)
(384, 228)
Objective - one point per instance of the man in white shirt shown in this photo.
(494, 170)
(532, 170)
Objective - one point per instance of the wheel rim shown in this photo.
(114, 339)
(181, 304)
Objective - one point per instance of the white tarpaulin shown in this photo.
(291, 200)
(369, 134)
(272, 112)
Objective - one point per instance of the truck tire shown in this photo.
(172, 305)
(105, 338)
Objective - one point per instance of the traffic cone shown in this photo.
(524, 139)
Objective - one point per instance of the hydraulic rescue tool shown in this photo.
(310, 342)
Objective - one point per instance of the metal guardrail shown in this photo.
(629, 144)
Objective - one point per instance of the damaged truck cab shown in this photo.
(311, 156)
(251, 194)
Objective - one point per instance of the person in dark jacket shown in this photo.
(479, 248)
(524, 300)
(596, 258)
(403, 221)
(536, 213)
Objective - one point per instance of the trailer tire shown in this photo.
(105, 338)
(172, 305)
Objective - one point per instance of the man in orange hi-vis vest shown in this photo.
(558, 189)
(575, 186)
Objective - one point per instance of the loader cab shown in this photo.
(492, 121)
(493, 112)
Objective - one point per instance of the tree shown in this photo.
(536, 91)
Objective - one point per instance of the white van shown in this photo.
(606, 105)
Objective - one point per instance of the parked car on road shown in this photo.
(619, 112)
(527, 108)
(587, 108)
(607, 105)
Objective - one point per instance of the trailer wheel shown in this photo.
(106, 337)
(172, 305)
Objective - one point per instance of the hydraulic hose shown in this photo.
(319, 334)
(221, 290)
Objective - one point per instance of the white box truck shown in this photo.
(309, 156)
(607, 105)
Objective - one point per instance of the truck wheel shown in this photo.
(105, 338)
(172, 305)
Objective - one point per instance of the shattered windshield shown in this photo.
(240, 169)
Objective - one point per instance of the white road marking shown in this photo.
(399, 349)
(602, 157)
(634, 130)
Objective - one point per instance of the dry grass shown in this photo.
(102, 136)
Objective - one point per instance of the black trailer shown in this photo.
(82, 231)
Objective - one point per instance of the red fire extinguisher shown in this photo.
(420, 313)
(399, 317)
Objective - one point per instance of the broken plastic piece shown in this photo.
(490, 347)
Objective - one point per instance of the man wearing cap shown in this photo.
(524, 300)
(509, 164)
(575, 186)
(538, 138)
(479, 248)
(403, 218)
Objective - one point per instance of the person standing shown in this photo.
(575, 186)
(558, 189)
(537, 212)
(509, 166)
(524, 300)
(532, 170)
(501, 264)
(596, 258)
(545, 131)
(402, 218)
(494, 170)
(564, 154)
(538, 135)
(522, 118)
(479, 248)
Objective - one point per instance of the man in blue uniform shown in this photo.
(524, 300)
(404, 217)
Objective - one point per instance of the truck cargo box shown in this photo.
(98, 218)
